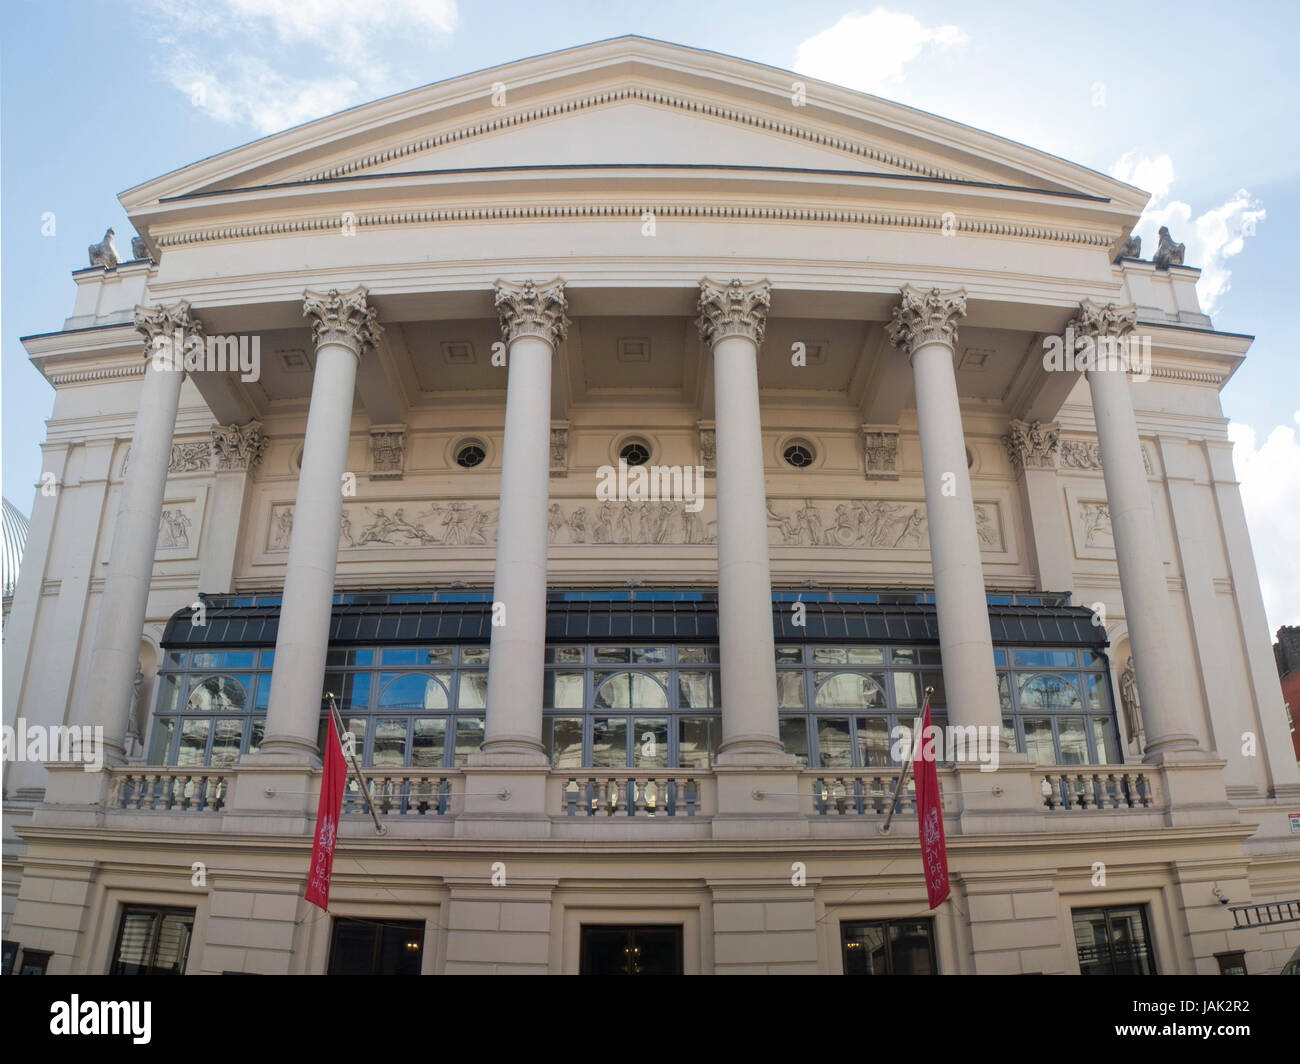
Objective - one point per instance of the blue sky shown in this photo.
(1182, 99)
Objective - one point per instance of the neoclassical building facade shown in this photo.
(625, 440)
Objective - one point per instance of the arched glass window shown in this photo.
(631, 690)
(414, 691)
(218, 694)
(1047, 690)
(849, 690)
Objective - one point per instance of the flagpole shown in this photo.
(907, 767)
(356, 768)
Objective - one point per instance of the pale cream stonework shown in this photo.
(811, 219)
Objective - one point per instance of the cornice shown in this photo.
(333, 222)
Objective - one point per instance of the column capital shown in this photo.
(532, 309)
(733, 309)
(926, 317)
(160, 324)
(238, 447)
(344, 318)
(1032, 445)
(1103, 319)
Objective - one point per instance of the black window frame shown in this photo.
(887, 926)
(1108, 912)
(379, 926)
(161, 912)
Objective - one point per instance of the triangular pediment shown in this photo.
(626, 103)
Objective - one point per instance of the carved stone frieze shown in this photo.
(708, 447)
(559, 449)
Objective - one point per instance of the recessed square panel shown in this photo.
(294, 360)
(975, 358)
(634, 349)
(457, 352)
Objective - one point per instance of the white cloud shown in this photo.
(270, 64)
(1212, 238)
(1270, 494)
(869, 52)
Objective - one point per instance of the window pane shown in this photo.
(414, 691)
(169, 694)
(562, 690)
(910, 947)
(390, 744)
(353, 726)
(350, 689)
(697, 690)
(566, 742)
(218, 694)
(866, 655)
(650, 655)
(935, 680)
(227, 738)
(1103, 733)
(612, 655)
(474, 655)
(1074, 741)
(469, 737)
(700, 655)
(1092, 686)
(830, 655)
(864, 949)
(794, 736)
(564, 655)
(1009, 733)
(134, 935)
(651, 743)
(428, 742)
(161, 741)
(194, 742)
(789, 655)
(343, 658)
(255, 733)
(849, 690)
(873, 741)
(1048, 691)
(834, 747)
(631, 690)
(789, 689)
(907, 686)
(1051, 659)
(609, 743)
(1128, 942)
(473, 690)
(1038, 741)
(1112, 942)
(1004, 690)
(697, 739)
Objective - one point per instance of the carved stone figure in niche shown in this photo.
(1128, 691)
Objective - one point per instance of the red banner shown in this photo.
(929, 814)
(327, 820)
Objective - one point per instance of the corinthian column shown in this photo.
(925, 327)
(168, 332)
(733, 318)
(533, 324)
(343, 328)
(1165, 707)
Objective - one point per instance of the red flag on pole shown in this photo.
(929, 812)
(327, 820)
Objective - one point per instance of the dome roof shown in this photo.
(15, 538)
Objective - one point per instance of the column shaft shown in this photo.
(125, 600)
(732, 320)
(533, 324)
(926, 325)
(344, 327)
(1145, 590)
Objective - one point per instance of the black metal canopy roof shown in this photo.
(466, 617)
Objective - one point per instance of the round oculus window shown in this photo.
(470, 454)
(634, 453)
(799, 455)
